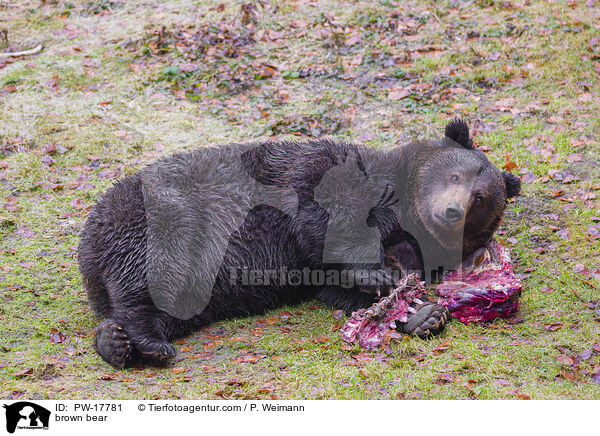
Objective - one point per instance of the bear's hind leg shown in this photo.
(155, 350)
(148, 330)
(135, 334)
(112, 344)
(117, 346)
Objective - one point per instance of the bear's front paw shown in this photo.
(428, 320)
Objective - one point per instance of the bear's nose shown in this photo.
(454, 212)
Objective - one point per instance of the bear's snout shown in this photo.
(454, 212)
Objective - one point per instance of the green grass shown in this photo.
(99, 103)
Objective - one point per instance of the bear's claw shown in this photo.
(428, 320)
(113, 344)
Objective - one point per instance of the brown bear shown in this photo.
(235, 230)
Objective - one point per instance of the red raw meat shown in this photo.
(483, 289)
(368, 327)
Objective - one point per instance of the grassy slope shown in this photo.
(104, 97)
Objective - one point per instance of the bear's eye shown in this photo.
(478, 200)
(454, 179)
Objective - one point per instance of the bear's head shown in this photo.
(460, 194)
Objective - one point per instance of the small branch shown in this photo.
(436, 17)
(22, 53)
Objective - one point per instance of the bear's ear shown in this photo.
(513, 184)
(458, 131)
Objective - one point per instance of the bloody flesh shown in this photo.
(485, 288)
(482, 289)
(368, 327)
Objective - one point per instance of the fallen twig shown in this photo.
(22, 53)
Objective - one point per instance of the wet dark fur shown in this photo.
(113, 252)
